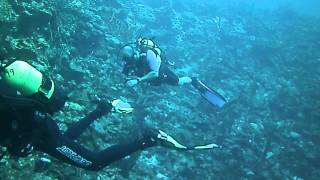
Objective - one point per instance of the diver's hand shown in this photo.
(132, 82)
(104, 107)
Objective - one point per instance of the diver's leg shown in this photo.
(172, 78)
(168, 76)
(68, 151)
(77, 128)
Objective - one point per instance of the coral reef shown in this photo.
(265, 62)
(6, 12)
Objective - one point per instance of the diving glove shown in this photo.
(121, 106)
(115, 105)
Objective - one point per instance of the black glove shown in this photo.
(104, 106)
(101, 109)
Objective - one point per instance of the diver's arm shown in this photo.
(127, 68)
(151, 75)
(77, 128)
(154, 63)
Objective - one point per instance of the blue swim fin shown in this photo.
(209, 94)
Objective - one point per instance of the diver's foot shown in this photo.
(149, 138)
(193, 79)
(185, 80)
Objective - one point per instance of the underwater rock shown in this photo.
(7, 14)
(257, 127)
(162, 176)
(23, 48)
(74, 106)
(249, 173)
(269, 155)
(294, 135)
(42, 165)
(33, 16)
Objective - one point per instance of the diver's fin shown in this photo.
(168, 141)
(209, 94)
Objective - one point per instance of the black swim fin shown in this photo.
(209, 94)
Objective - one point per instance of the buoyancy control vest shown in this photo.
(145, 44)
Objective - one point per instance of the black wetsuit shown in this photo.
(140, 68)
(23, 127)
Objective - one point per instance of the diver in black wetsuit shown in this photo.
(35, 131)
(26, 125)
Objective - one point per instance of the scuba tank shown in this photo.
(147, 43)
(27, 80)
(32, 85)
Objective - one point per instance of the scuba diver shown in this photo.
(144, 61)
(28, 99)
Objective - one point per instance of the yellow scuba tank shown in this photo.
(26, 79)
(146, 43)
